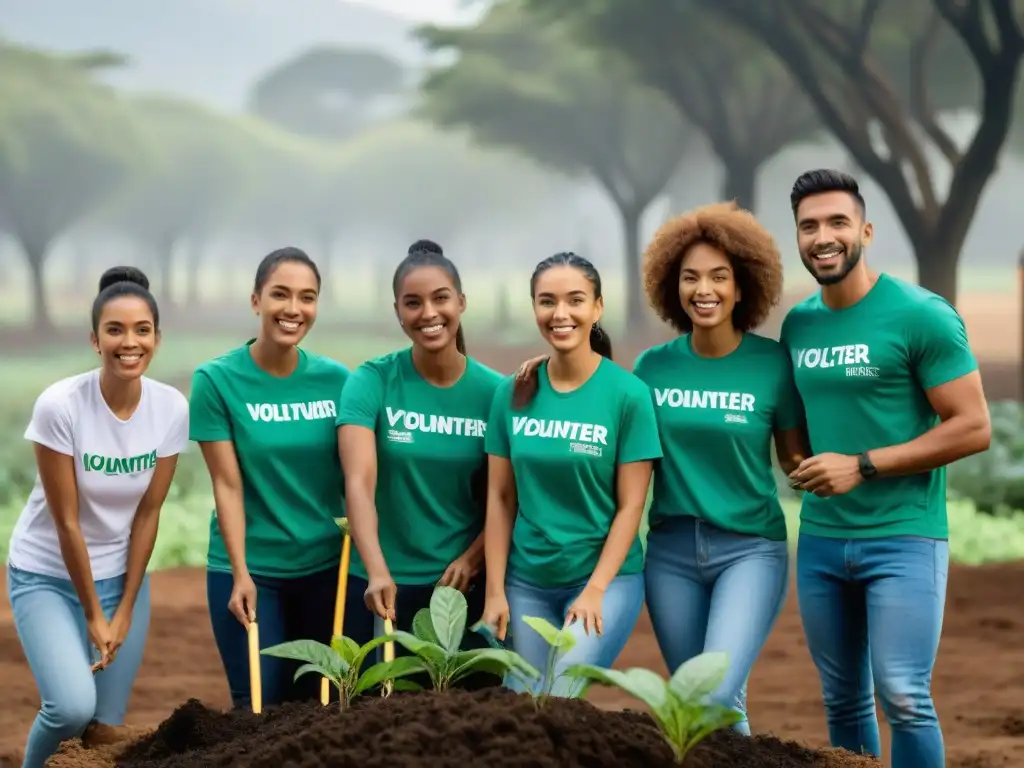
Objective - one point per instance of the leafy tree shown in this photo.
(521, 82)
(726, 83)
(201, 172)
(326, 92)
(827, 49)
(67, 144)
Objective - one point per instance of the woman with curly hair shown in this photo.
(717, 562)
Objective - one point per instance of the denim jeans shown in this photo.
(620, 609)
(412, 598)
(50, 622)
(709, 589)
(301, 608)
(872, 611)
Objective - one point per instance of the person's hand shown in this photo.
(101, 636)
(827, 474)
(587, 608)
(460, 573)
(380, 595)
(119, 628)
(528, 368)
(243, 600)
(496, 615)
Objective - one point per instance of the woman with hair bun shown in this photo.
(717, 560)
(411, 428)
(106, 445)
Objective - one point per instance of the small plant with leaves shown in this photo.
(341, 663)
(680, 704)
(436, 643)
(560, 642)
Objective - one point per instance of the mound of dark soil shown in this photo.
(483, 729)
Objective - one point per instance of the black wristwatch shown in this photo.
(867, 469)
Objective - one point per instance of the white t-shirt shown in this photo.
(114, 462)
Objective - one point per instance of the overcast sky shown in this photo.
(436, 11)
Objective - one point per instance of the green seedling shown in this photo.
(436, 642)
(560, 642)
(680, 704)
(341, 663)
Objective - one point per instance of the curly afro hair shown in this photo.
(756, 263)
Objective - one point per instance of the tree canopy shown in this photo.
(830, 49)
(523, 82)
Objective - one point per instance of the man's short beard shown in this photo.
(850, 259)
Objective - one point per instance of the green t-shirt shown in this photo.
(565, 448)
(862, 373)
(431, 465)
(716, 417)
(287, 447)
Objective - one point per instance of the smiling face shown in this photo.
(126, 337)
(287, 303)
(707, 286)
(565, 307)
(429, 307)
(831, 235)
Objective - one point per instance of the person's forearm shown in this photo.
(497, 543)
(140, 550)
(76, 560)
(950, 441)
(363, 527)
(231, 522)
(475, 552)
(621, 537)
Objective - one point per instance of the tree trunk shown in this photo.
(35, 254)
(937, 267)
(740, 183)
(635, 319)
(165, 263)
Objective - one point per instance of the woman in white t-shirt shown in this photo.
(106, 445)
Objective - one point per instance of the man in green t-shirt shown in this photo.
(892, 394)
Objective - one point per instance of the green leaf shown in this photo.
(367, 649)
(345, 647)
(448, 610)
(492, 660)
(431, 653)
(423, 626)
(306, 669)
(637, 682)
(699, 676)
(562, 639)
(488, 634)
(311, 652)
(403, 666)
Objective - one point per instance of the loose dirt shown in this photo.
(978, 678)
(486, 729)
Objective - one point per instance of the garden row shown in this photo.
(383, 717)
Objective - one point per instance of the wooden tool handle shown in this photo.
(255, 681)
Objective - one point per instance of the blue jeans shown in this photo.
(51, 627)
(301, 608)
(709, 589)
(620, 609)
(872, 611)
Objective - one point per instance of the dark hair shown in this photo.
(274, 259)
(123, 281)
(427, 253)
(524, 390)
(750, 248)
(823, 180)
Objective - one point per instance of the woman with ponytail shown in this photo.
(411, 428)
(571, 448)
